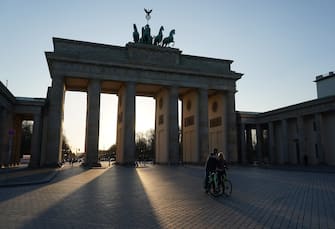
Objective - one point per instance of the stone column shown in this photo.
(259, 136)
(166, 126)
(10, 137)
(173, 129)
(301, 138)
(318, 134)
(16, 150)
(272, 158)
(283, 157)
(3, 134)
(231, 127)
(162, 127)
(249, 148)
(217, 137)
(36, 142)
(126, 124)
(243, 144)
(55, 121)
(44, 137)
(129, 122)
(190, 123)
(203, 125)
(92, 123)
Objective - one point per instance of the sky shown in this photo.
(280, 46)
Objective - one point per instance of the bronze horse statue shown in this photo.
(169, 39)
(159, 37)
(146, 35)
(136, 35)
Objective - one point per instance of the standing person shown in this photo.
(211, 164)
(221, 167)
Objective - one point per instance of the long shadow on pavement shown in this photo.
(115, 199)
(17, 182)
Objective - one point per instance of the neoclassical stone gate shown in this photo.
(206, 87)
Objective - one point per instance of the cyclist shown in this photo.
(221, 166)
(211, 165)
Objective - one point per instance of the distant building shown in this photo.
(325, 85)
(297, 134)
(14, 110)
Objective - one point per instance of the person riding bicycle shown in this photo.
(211, 165)
(221, 166)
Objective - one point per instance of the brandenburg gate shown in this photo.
(206, 87)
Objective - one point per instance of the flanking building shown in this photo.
(13, 111)
(303, 133)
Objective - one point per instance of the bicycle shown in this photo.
(215, 189)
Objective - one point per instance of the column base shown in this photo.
(194, 163)
(169, 163)
(92, 165)
(33, 166)
(53, 165)
(126, 164)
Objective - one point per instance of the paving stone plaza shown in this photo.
(170, 197)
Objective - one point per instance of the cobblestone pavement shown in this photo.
(170, 197)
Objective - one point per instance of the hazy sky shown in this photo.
(280, 46)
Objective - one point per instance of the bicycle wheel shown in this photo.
(213, 191)
(228, 187)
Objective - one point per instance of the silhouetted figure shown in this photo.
(211, 164)
(221, 166)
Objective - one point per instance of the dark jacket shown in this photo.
(221, 164)
(211, 164)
